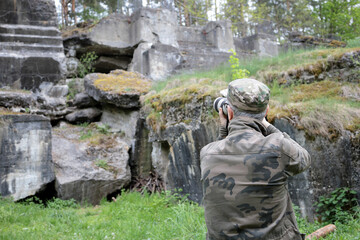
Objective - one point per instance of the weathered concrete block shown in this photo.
(84, 115)
(120, 120)
(161, 60)
(334, 164)
(25, 155)
(220, 35)
(119, 88)
(263, 45)
(34, 12)
(87, 171)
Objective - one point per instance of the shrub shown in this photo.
(57, 203)
(86, 64)
(340, 206)
(236, 70)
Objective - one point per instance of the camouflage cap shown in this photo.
(248, 95)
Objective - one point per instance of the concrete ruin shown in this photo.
(31, 50)
(150, 42)
(26, 165)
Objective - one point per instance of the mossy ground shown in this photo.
(6, 111)
(120, 82)
(320, 108)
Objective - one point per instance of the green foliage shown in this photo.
(340, 206)
(86, 134)
(84, 125)
(339, 17)
(104, 129)
(86, 64)
(102, 163)
(72, 89)
(57, 203)
(353, 43)
(236, 70)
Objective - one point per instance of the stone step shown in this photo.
(26, 54)
(49, 40)
(25, 47)
(29, 30)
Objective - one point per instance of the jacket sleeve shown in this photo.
(298, 159)
(271, 129)
(223, 132)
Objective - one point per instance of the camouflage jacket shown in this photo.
(244, 179)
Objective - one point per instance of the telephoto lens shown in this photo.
(222, 103)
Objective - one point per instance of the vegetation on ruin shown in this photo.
(327, 107)
(6, 111)
(121, 82)
(132, 216)
(340, 206)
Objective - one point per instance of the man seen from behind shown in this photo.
(245, 172)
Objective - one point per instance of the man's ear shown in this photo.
(230, 113)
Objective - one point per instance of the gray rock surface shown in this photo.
(261, 44)
(151, 43)
(220, 35)
(34, 12)
(88, 171)
(82, 100)
(107, 64)
(10, 99)
(124, 99)
(120, 120)
(176, 146)
(161, 61)
(334, 164)
(31, 49)
(72, 65)
(54, 91)
(25, 155)
(84, 115)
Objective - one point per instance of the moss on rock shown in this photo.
(119, 81)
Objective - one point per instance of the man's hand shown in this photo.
(222, 117)
(265, 123)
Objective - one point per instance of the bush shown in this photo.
(57, 203)
(340, 206)
(236, 70)
(86, 64)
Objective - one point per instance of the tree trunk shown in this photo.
(62, 14)
(216, 14)
(73, 10)
(186, 13)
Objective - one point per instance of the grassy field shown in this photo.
(133, 216)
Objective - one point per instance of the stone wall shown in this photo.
(260, 44)
(31, 50)
(151, 42)
(334, 164)
(25, 155)
(28, 12)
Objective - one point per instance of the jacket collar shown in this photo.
(242, 123)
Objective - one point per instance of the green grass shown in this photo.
(132, 216)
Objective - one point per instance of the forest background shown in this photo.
(338, 19)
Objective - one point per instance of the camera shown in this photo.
(222, 103)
